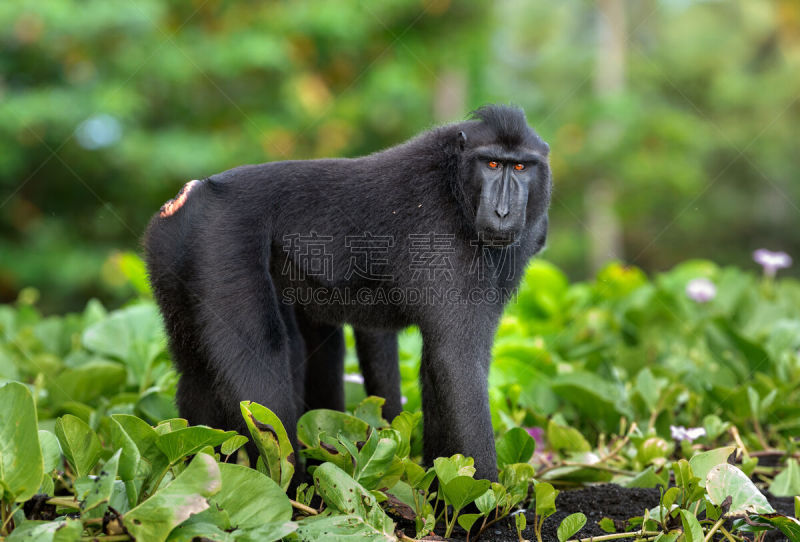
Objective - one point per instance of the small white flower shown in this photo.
(680, 432)
(772, 261)
(403, 399)
(701, 290)
(355, 378)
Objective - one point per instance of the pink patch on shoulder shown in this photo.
(169, 208)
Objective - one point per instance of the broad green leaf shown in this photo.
(404, 423)
(51, 450)
(703, 462)
(47, 531)
(462, 490)
(788, 526)
(343, 494)
(648, 478)
(232, 444)
(649, 387)
(146, 440)
(448, 468)
(341, 528)
(607, 524)
(376, 466)
(251, 498)
(517, 478)
(269, 532)
(130, 459)
(566, 439)
(191, 531)
(787, 482)
(79, 443)
(416, 476)
(156, 405)
(692, 530)
(545, 499)
(486, 502)
(726, 480)
(370, 410)
(331, 422)
(96, 490)
(570, 525)
(272, 441)
(134, 335)
(468, 520)
(169, 425)
(516, 446)
(21, 464)
(88, 382)
(186, 495)
(190, 440)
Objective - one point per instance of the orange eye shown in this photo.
(493, 164)
(519, 167)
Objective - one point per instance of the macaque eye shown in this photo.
(493, 164)
(519, 167)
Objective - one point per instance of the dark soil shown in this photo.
(596, 502)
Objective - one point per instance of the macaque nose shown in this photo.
(502, 212)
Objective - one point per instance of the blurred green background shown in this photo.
(673, 123)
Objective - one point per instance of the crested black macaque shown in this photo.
(256, 269)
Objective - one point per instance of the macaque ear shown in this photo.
(462, 140)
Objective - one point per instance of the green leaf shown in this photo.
(346, 496)
(21, 464)
(468, 520)
(726, 480)
(186, 495)
(607, 524)
(570, 525)
(448, 468)
(545, 499)
(146, 440)
(648, 478)
(331, 422)
(404, 423)
(51, 450)
(96, 490)
(130, 459)
(788, 526)
(79, 443)
(250, 498)
(462, 490)
(232, 444)
(516, 446)
(703, 462)
(47, 531)
(370, 410)
(566, 439)
(134, 335)
(272, 441)
(377, 467)
(86, 383)
(341, 528)
(692, 530)
(268, 532)
(190, 440)
(486, 502)
(190, 531)
(787, 482)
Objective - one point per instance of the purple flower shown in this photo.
(537, 433)
(701, 290)
(771, 261)
(680, 432)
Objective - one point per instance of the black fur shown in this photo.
(228, 272)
